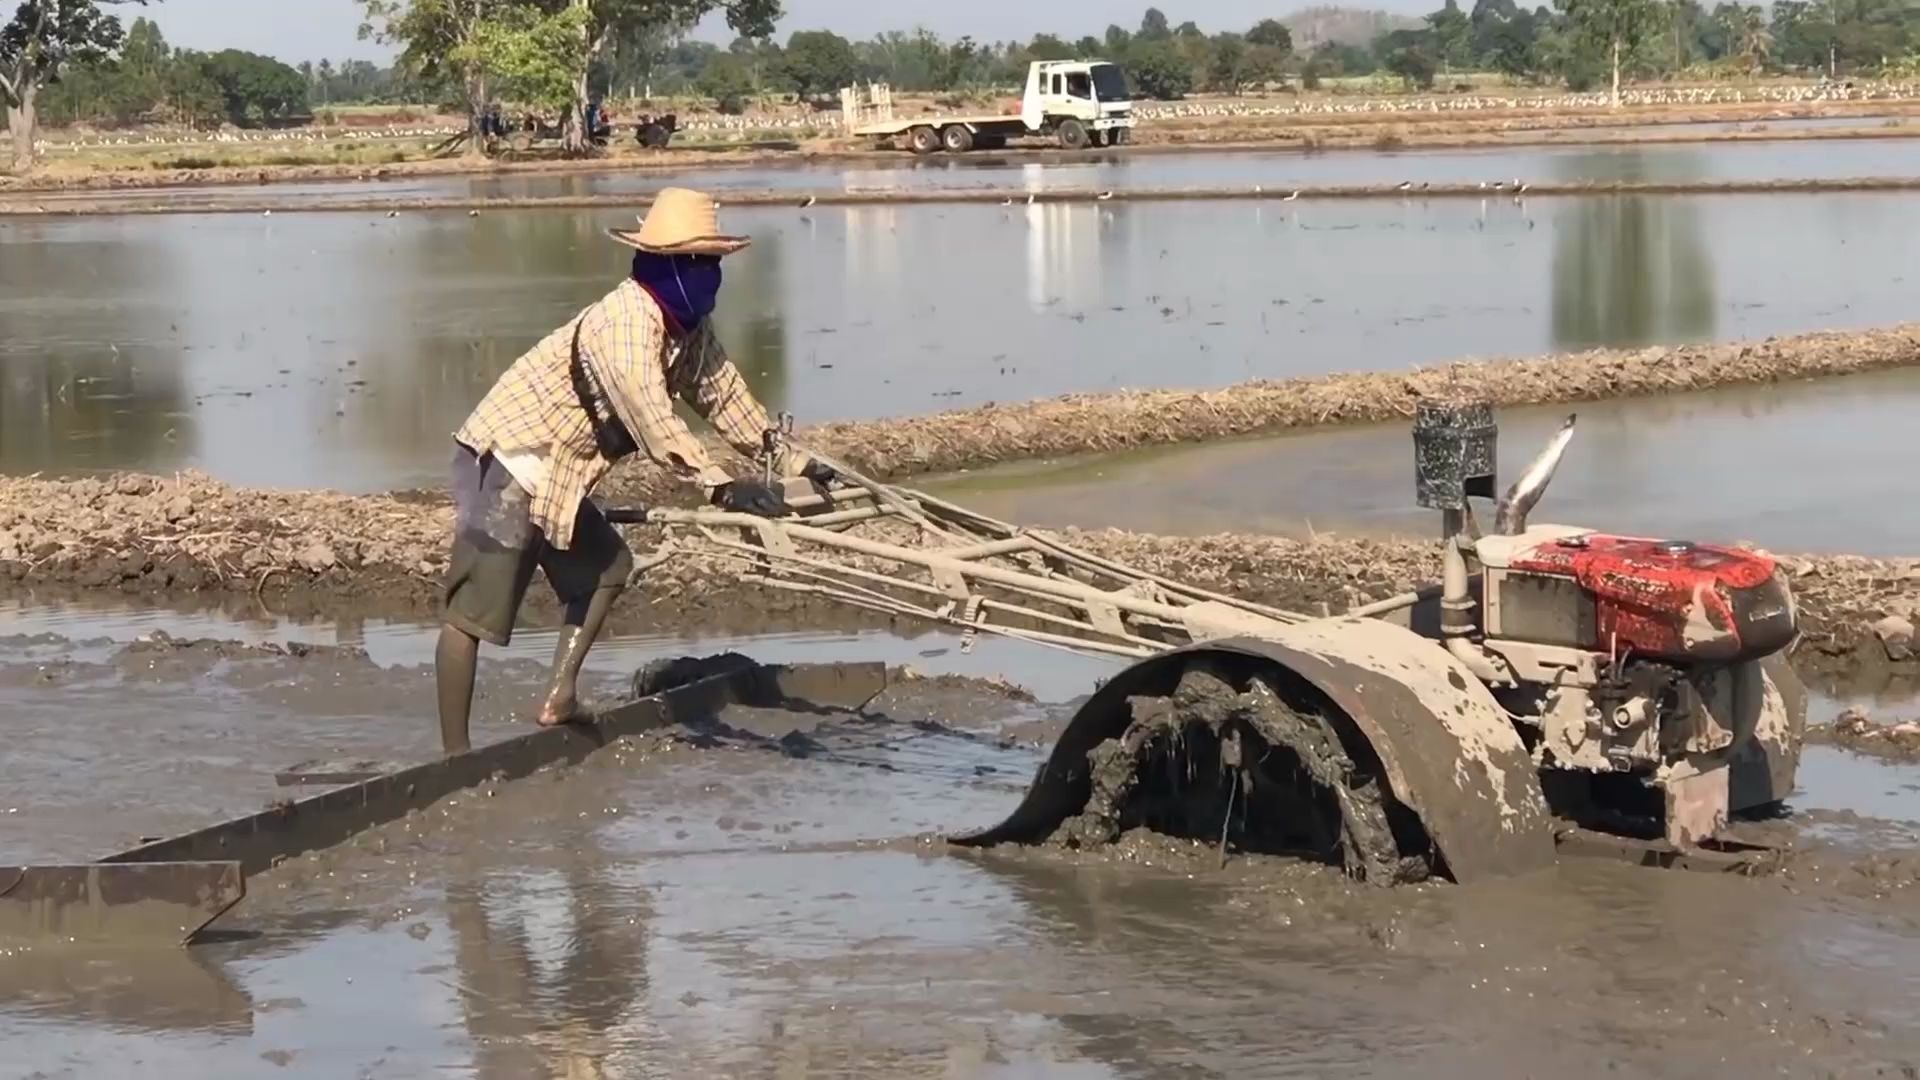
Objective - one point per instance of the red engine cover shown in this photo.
(1673, 599)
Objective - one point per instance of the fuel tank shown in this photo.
(1670, 600)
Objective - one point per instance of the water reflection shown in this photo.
(550, 971)
(78, 386)
(1632, 270)
(341, 350)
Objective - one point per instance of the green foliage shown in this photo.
(1272, 34)
(1159, 71)
(728, 82)
(254, 89)
(1409, 54)
(819, 62)
(530, 52)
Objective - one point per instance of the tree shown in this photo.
(1153, 26)
(255, 89)
(1159, 71)
(1613, 28)
(1408, 54)
(437, 41)
(36, 46)
(728, 82)
(1048, 47)
(1747, 35)
(1227, 63)
(819, 62)
(1452, 36)
(528, 52)
(604, 21)
(1272, 34)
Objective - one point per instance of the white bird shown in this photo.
(393, 213)
(810, 201)
(473, 213)
(1008, 201)
(1405, 184)
(266, 213)
(1029, 198)
(1104, 196)
(1293, 196)
(1518, 186)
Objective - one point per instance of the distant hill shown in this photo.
(1343, 26)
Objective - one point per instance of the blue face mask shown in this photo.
(686, 286)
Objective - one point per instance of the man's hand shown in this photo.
(819, 473)
(749, 496)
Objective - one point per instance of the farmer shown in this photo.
(597, 389)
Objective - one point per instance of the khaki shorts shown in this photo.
(496, 547)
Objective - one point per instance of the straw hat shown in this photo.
(681, 222)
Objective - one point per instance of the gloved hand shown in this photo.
(749, 496)
(819, 473)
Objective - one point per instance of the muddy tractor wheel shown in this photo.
(1073, 135)
(1363, 746)
(520, 141)
(923, 140)
(654, 136)
(956, 139)
(1119, 137)
(1096, 139)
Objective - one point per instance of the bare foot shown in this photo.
(561, 710)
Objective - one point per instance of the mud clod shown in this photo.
(1241, 767)
(1857, 731)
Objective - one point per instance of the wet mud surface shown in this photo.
(767, 894)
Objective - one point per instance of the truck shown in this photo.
(1079, 103)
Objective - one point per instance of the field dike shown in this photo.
(306, 551)
(300, 552)
(1124, 420)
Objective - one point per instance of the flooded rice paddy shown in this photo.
(727, 906)
(1811, 467)
(339, 351)
(740, 910)
(885, 171)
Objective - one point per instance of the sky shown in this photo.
(296, 30)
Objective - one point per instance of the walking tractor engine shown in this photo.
(1647, 677)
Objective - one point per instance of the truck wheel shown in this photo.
(1120, 136)
(1096, 139)
(1073, 134)
(956, 138)
(923, 140)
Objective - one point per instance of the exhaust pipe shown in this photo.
(1510, 514)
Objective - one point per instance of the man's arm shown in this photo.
(627, 353)
(715, 387)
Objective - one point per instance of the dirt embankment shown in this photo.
(316, 551)
(1097, 423)
(1241, 124)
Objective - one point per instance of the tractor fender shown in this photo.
(1447, 749)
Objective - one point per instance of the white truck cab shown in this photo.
(1080, 103)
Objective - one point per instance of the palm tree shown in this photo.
(1752, 39)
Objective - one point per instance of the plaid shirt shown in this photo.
(644, 368)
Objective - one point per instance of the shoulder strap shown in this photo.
(612, 436)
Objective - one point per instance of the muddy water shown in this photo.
(1812, 467)
(1827, 159)
(666, 910)
(319, 350)
(191, 734)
